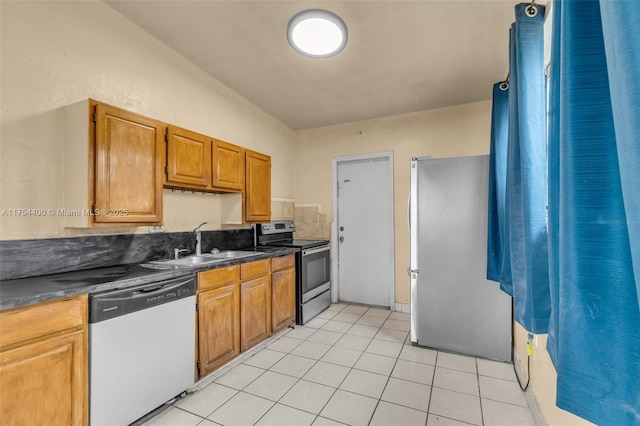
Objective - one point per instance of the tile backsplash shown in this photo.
(311, 223)
(282, 208)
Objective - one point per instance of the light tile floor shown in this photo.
(354, 365)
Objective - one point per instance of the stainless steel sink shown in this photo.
(204, 259)
(232, 254)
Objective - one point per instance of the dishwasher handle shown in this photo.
(150, 290)
(160, 288)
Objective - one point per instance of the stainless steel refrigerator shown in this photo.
(453, 306)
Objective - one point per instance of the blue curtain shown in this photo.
(620, 22)
(519, 176)
(594, 209)
(497, 186)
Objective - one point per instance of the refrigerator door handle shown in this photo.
(414, 306)
(413, 214)
(409, 213)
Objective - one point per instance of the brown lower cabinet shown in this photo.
(240, 306)
(218, 318)
(43, 363)
(283, 292)
(255, 303)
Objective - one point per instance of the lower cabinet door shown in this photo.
(45, 383)
(255, 311)
(219, 327)
(283, 298)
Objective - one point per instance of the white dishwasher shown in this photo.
(141, 349)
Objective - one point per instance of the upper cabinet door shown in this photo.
(257, 187)
(228, 166)
(128, 169)
(188, 157)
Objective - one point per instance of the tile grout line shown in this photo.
(385, 386)
(388, 377)
(252, 381)
(350, 368)
(318, 360)
(342, 381)
(475, 360)
(277, 401)
(397, 358)
(433, 379)
(299, 379)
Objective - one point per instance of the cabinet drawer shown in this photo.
(254, 269)
(30, 322)
(283, 262)
(217, 277)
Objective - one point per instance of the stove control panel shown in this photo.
(277, 227)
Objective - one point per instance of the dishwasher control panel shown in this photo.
(114, 303)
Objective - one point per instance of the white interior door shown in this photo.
(365, 230)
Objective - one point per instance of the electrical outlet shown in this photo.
(531, 339)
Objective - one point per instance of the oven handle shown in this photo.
(309, 252)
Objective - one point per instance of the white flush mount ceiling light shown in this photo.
(317, 33)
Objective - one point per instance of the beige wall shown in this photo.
(446, 132)
(543, 379)
(59, 53)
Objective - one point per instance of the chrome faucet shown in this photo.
(177, 251)
(199, 239)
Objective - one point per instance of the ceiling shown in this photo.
(401, 56)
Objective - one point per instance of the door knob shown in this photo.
(341, 239)
(342, 228)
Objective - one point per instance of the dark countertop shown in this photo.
(32, 290)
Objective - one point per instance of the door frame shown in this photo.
(388, 155)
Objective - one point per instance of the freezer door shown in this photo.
(456, 307)
(413, 236)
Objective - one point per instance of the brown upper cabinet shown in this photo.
(257, 197)
(128, 165)
(130, 158)
(228, 165)
(196, 161)
(188, 158)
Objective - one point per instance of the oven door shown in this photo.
(315, 269)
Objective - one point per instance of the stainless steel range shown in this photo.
(313, 267)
